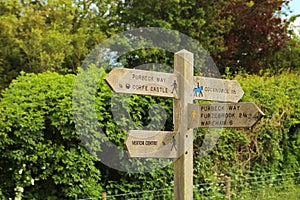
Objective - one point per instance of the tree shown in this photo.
(288, 58)
(197, 19)
(188, 17)
(257, 32)
(37, 36)
(237, 34)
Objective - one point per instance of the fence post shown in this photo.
(228, 185)
(103, 195)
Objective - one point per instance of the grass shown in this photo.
(274, 193)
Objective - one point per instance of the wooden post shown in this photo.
(103, 196)
(228, 185)
(183, 166)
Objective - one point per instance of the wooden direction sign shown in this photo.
(134, 81)
(217, 89)
(152, 144)
(223, 115)
(171, 144)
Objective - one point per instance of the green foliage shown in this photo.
(201, 20)
(48, 36)
(239, 33)
(40, 145)
(278, 137)
(39, 36)
(40, 150)
(270, 147)
(116, 114)
(288, 58)
(271, 193)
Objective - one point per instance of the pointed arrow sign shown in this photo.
(152, 144)
(223, 115)
(133, 81)
(217, 89)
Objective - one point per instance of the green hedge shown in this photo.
(278, 138)
(272, 146)
(42, 156)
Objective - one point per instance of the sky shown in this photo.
(295, 7)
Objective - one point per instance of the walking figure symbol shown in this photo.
(173, 144)
(198, 90)
(174, 85)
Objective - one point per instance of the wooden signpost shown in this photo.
(183, 166)
(217, 89)
(154, 144)
(223, 115)
(184, 88)
(134, 81)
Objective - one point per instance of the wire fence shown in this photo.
(269, 186)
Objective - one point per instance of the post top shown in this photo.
(185, 54)
(183, 51)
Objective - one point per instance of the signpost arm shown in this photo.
(183, 167)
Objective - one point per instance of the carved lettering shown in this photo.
(138, 142)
